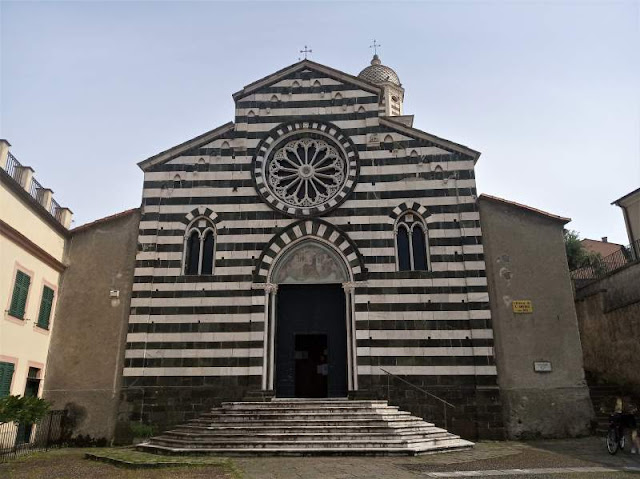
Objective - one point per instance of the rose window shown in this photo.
(306, 172)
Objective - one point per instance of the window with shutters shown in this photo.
(46, 304)
(412, 243)
(20, 293)
(6, 375)
(199, 247)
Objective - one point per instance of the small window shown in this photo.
(207, 253)
(412, 247)
(193, 253)
(199, 247)
(404, 255)
(32, 387)
(6, 376)
(19, 297)
(419, 250)
(46, 304)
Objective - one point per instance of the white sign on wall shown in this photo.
(542, 366)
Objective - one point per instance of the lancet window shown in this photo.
(199, 248)
(412, 243)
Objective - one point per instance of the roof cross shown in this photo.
(375, 46)
(306, 51)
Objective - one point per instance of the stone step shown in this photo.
(313, 422)
(427, 427)
(293, 404)
(261, 443)
(306, 424)
(305, 427)
(307, 413)
(302, 408)
(409, 435)
(293, 451)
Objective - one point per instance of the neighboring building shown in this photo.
(603, 248)
(536, 337)
(33, 234)
(608, 307)
(88, 346)
(630, 205)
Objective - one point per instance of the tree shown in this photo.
(22, 409)
(577, 255)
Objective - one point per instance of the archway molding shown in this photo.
(319, 230)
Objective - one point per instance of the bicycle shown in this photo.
(615, 433)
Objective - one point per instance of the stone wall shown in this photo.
(526, 260)
(87, 346)
(476, 412)
(609, 320)
(166, 402)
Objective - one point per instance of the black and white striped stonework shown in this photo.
(201, 339)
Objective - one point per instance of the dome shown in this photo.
(379, 73)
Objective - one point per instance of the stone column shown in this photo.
(352, 356)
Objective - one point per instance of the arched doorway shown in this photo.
(311, 322)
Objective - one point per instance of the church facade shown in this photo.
(316, 246)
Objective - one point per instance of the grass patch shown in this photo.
(132, 458)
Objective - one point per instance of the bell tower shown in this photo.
(387, 78)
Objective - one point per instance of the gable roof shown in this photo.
(620, 200)
(530, 209)
(400, 127)
(603, 248)
(307, 65)
(106, 219)
(177, 150)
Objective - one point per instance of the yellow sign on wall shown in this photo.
(522, 306)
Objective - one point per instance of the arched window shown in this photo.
(418, 248)
(207, 253)
(404, 255)
(192, 253)
(412, 247)
(199, 247)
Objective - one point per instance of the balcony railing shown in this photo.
(36, 191)
(601, 267)
(15, 170)
(55, 210)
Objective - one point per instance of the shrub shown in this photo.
(22, 409)
(139, 429)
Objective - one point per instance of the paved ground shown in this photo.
(575, 458)
(569, 459)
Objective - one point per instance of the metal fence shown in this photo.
(14, 168)
(19, 439)
(36, 191)
(601, 267)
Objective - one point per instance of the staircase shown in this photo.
(306, 427)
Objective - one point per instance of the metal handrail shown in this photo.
(418, 388)
(444, 403)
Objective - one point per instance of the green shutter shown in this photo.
(45, 307)
(20, 292)
(6, 374)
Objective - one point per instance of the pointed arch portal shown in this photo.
(309, 345)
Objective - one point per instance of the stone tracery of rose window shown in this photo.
(305, 169)
(306, 172)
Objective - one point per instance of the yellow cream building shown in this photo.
(33, 235)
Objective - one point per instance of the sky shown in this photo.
(547, 91)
